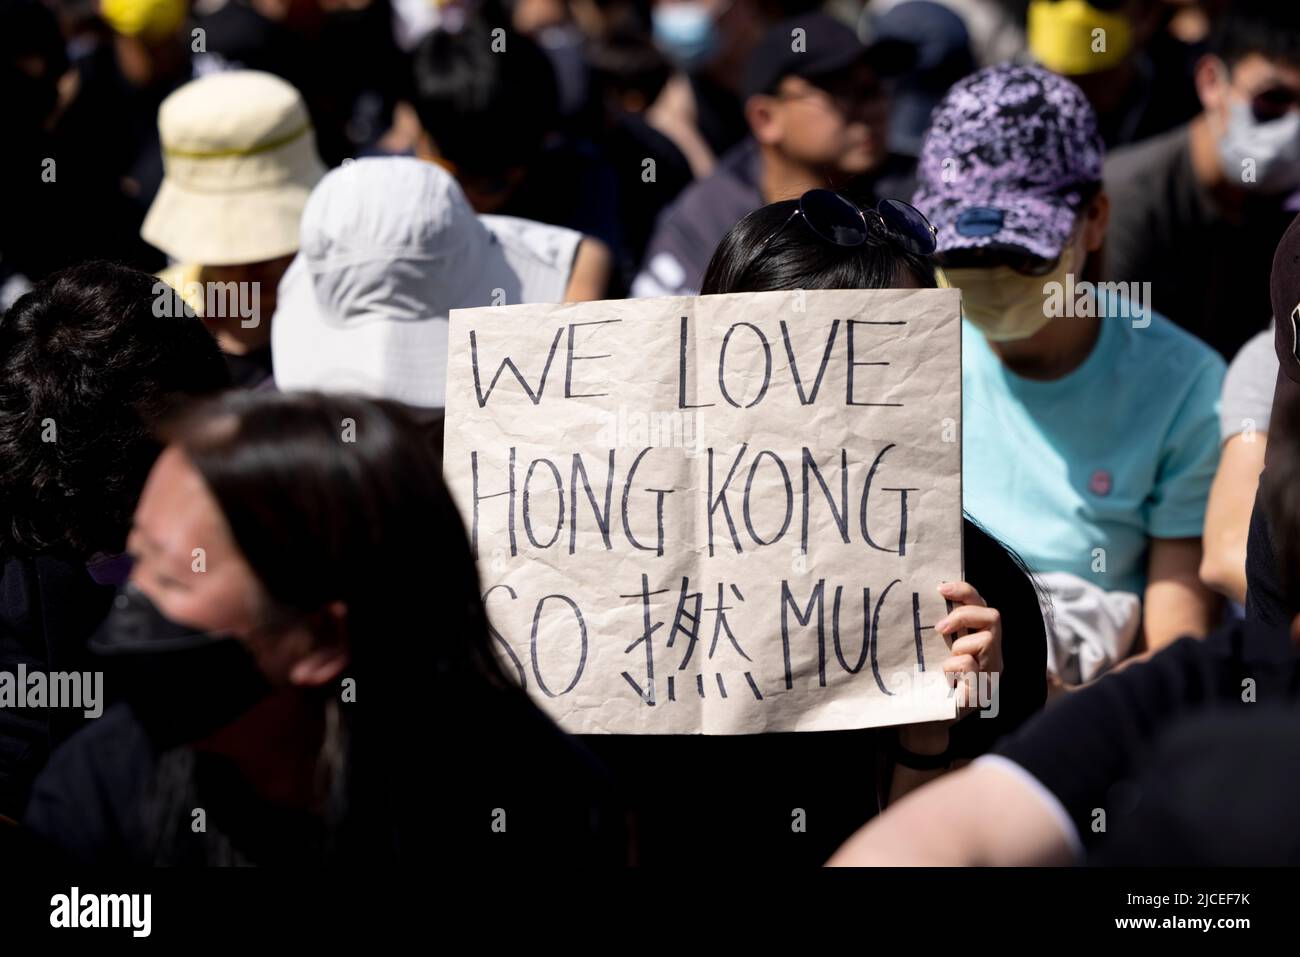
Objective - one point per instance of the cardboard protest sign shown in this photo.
(721, 514)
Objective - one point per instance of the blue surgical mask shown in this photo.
(685, 32)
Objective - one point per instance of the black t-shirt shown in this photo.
(571, 184)
(719, 113)
(48, 609)
(1266, 599)
(250, 370)
(110, 797)
(734, 799)
(1088, 748)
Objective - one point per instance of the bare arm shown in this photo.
(592, 264)
(982, 815)
(1227, 517)
(1177, 603)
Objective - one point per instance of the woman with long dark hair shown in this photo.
(306, 665)
(793, 798)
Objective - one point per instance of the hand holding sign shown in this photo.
(773, 571)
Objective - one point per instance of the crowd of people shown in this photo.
(231, 225)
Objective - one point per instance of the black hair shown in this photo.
(487, 112)
(626, 61)
(29, 27)
(766, 251)
(341, 499)
(90, 359)
(1270, 28)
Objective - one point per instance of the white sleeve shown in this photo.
(1050, 802)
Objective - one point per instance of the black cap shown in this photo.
(1285, 293)
(826, 46)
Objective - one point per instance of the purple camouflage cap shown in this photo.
(1005, 161)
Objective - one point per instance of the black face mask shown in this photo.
(183, 684)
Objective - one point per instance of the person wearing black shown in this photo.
(627, 74)
(324, 687)
(733, 798)
(1100, 762)
(488, 107)
(86, 368)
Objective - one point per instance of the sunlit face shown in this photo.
(188, 564)
(840, 122)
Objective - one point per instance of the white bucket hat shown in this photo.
(389, 248)
(239, 160)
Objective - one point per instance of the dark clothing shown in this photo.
(1162, 95)
(570, 184)
(1208, 273)
(1265, 599)
(1266, 596)
(237, 37)
(353, 75)
(1218, 790)
(733, 798)
(719, 114)
(110, 798)
(1087, 748)
(628, 143)
(690, 229)
(250, 370)
(48, 609)
(109, 159)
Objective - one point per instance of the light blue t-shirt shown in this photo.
(1119, 451)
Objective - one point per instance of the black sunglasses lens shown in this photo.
(908, 226)
(833, 218)
(1272, 104)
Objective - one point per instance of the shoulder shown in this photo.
(1248, 385)
(722, 197)
(542, 244)
(84, 797)
(1161, 347)
(1256, 361)
(1151, 159)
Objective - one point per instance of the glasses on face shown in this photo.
(848, 103)
(839, 221)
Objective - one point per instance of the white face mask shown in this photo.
(1263, 157)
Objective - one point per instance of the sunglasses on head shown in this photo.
(839, 221)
